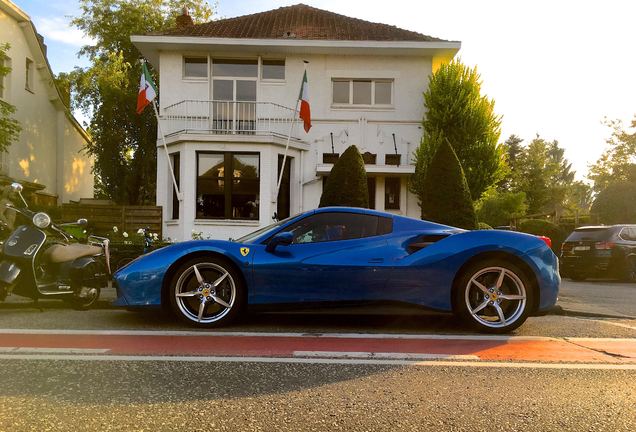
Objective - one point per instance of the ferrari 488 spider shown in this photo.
(491, 279)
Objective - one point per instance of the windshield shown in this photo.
(594, 234)
(251, 236)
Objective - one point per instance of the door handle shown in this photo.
(376, 260)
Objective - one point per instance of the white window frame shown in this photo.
(4, 81)
(271, 80)
(350, 104)
(185, 77)
(29, 75)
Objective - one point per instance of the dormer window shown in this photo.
(362, 92)
(195, 67)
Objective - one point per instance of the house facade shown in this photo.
(228, 91)
(47, 158)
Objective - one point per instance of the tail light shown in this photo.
(547, 240)
(604, 245)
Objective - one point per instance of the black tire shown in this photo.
(476, 305)
(84, 298)
(230, 290)
(629, 275)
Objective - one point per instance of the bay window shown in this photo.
(228, 185)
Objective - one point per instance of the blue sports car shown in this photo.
(491, 279)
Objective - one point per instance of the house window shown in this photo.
(235, 68)
(195, 67)
(392, 187)
(5, 69)
(371, 188)
(175, 159)
(228, 185)
(28, 79)
(273, 70)
(364, 92)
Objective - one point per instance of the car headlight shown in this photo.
(41, 220)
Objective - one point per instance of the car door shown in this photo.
(334, 256)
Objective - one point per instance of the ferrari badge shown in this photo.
(245, 251)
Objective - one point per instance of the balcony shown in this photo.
(229, 118)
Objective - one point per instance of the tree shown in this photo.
(123, 143)
(499, 208)
(615, 203)
(456, 109)
(347, 182)
(544, 175)
(9, 127)
(445, 195)
(514, 151)
(618, 162)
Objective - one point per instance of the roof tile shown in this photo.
(299, 22)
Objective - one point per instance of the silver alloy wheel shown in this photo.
(205, 292)
(495, 297)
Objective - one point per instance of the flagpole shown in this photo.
(165, 146)
(291, 128)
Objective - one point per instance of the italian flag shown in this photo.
(305, 113)
(147, 89)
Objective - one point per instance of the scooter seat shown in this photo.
(64, 253)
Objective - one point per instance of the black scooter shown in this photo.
(40, 260)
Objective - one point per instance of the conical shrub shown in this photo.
(347, 182)
(445, 196)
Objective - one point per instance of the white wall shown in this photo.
(370, 129)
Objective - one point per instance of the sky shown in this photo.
(556, 68)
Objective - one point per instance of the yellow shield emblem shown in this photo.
(245, 251)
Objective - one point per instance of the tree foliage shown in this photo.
(542, 227)
(541, 171)
(9, 127)
(456, 109)
(347, 182)
(123, 143)
(616, 204)
(618, 162)
(500, 208)
(445, 195)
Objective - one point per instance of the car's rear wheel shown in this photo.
(493, 296)
(630, 269)
(206, 292)
(578, 276)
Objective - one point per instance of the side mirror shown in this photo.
(16, 187)
(82, 222)
(280, 239)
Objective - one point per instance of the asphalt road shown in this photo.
(161, 395)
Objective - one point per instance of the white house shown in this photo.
(48, 157)
(228, 90)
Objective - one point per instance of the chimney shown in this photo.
(184, 20)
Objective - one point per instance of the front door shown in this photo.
(334, 257)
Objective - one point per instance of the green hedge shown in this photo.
(542, 227)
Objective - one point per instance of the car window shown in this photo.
(629, 233)
(591, 234)
(323, 227)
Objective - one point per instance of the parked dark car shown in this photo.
(600, 251)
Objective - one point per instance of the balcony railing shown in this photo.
(228, 117)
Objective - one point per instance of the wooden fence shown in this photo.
(102, 218)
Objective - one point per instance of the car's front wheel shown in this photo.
(493, 296)
(206, 292)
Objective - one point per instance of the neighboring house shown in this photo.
(227, 94)
(48, 157)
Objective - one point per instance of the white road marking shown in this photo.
(42, 350)
(382, 355)
(271, 334)
(616, 324)
(444, 363)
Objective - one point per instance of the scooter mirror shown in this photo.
(82, 222)
(16, 187)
